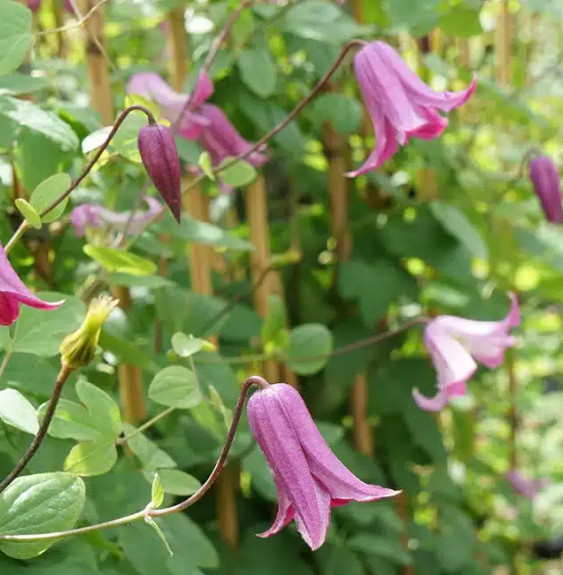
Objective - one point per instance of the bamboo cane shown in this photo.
(257, 216)
(503, 43)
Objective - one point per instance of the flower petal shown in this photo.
(420, 92)
(284, 515)
(327, 469)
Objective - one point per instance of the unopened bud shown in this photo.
(545, 179)
(78, 348)
(160, 158)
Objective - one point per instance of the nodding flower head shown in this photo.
(455, 344)
(400, 104)
(309, 478)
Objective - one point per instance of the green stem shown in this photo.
(149, 511)
(4, 363)
(17, 235)
(145, 425)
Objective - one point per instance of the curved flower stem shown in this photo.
(290, 117)
(149, 511)
(120, 119)
(42, 432)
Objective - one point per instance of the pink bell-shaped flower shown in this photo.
(545, 179)
(13, 292)
(309, 478)
(455, 344)
(400, 104)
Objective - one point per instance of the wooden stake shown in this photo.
(178, 48)
(257, 216)
(503, 44)
(57, 10)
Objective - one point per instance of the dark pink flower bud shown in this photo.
(545, 179)
(160, 157)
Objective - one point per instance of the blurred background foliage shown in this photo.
(447, 226)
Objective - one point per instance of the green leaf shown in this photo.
(258, 71)
(97, 418)
(239, 174)
(192, 230)
(206, 165)
(149, 454)
(309, 348)
(387, 547)
(120, 260)
(176, 482)
(175, 386)
(461, 21)
(91, 458)
(94, 140)
(15, 34)
(125, 140)
(41, 503)
(348, 118)
(455, 222)
(47, 192)
(157, 491)
(17, 411)
(17, 84)
(41, 333)
(419, 17)
(29, 213)
(186, 346)
(35, 119)
(149, 282)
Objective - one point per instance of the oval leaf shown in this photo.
(40, 503)
(16, 410)
(239, 174)
(309, 348)
(175, 386)
(15, 35)
(47, 192)
(185, 345)
(120, 260)
(29, 213)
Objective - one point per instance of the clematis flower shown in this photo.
(454, 367)
(91, 215)
(13, 292)
(454, 343)
(309, 478)
(152, 87)
(204, 122)
(222, 140)
(400, 104)
(529, 488)
(545, 179)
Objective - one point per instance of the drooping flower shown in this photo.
(13, 292)
(529, 488)
(152, 87)
(400, 104)
(309, 478)
(95, 216)
(222, 140)
(545, 179)
(454, 367)
(454, 342)
(201, 121)
(160, 158)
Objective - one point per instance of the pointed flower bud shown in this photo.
(545, 179)
(78, 348)
(309, 478)
(160, 158)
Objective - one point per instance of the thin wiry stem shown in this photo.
(43, 428)
(80, 22)
(149, 511)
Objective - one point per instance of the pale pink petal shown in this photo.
(435, 403)
(284, 515)
(433, 128)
